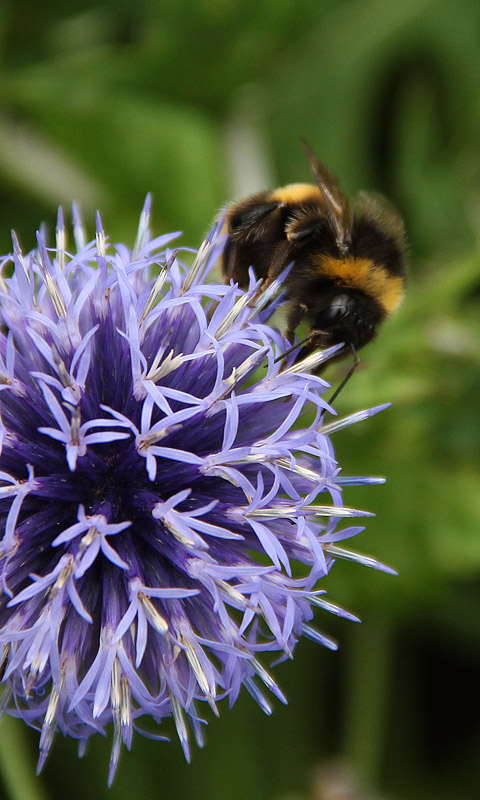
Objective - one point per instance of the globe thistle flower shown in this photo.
(160, 477)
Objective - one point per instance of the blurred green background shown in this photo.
(200, 101)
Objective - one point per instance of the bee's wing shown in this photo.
(322, 175)
(377, 208)
(336, 205)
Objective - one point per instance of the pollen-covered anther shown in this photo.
(155, 293)
(262, 291)
(179, 719)
(298, 469)
(143, 230)
(120, 696)
(345, 422)
(218, 460)
(74, 424)
(204, 259)
(235, 376)
(145, 441)
(87, 540)
(4, 653)
(122, 716)
(60, 239)
(18, 254)
(217, 470)
(160, 369)
(232, 316)
(100, 237)
(238, 599)
(49, 724)
(13, 384)
(267, 679)
(59, 365)
(63, 577)
(289, 512)
(55, 296)
(206, 687)
(358, 558)
(309, 363)
(183, 538)
(159, 623)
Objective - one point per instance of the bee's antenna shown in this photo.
(293, 347)
(356, 362)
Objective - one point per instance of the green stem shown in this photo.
(367, 696)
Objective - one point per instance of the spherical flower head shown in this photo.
(160, 475)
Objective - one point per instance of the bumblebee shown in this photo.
(348, 264)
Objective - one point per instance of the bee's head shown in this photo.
(343, 315)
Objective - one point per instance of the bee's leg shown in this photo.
(356, 362)
(297, 311)
(295, 315)
(282, 256)
(292, 348)
(229, 259)
(281, 259)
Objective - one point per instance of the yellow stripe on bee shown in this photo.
(363, 274)
(296, 193)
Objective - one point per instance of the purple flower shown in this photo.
(160, 474)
